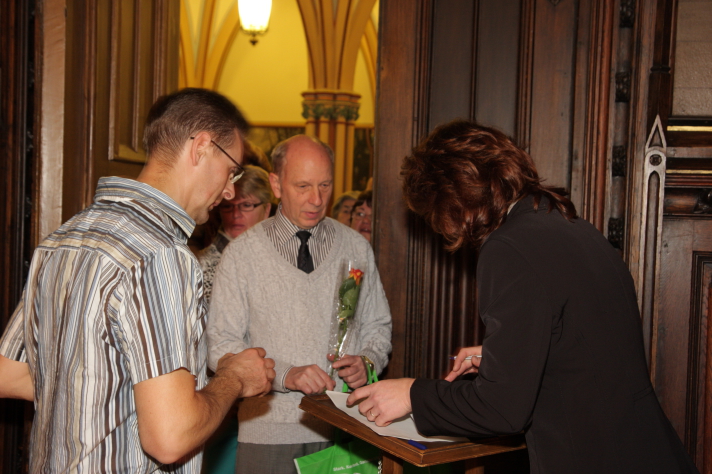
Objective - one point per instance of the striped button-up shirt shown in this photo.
(114, 297)
(283, 234)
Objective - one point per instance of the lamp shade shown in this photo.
(254, 15)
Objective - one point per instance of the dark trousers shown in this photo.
(273, 458)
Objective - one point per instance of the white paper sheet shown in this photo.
(403, 428)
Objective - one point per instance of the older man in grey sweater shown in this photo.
(275, 288)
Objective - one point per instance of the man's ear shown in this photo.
(199, 147)
(276, 184)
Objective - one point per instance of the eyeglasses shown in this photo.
(234, 175)
(243, 206)
(362, 215)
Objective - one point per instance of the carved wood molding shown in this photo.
(620, 161)
(526, 73)
(616, 232)
(627, 14)
(688, 202)
(598, 113)
(623, 86)
(651, 223)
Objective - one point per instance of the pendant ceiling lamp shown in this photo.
(254, 17)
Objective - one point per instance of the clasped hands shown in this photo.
(250, 369)
(311, 379)
(388, 400)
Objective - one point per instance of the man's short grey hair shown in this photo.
(176, 117)
(279, 154)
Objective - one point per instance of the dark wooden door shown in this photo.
(674, 254)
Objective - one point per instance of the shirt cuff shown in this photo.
(281, 369)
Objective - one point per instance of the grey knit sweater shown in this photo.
(261, 300)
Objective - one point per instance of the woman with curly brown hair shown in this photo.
(562, 357)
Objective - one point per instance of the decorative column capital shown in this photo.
(330, 105)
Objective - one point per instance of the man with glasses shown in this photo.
(275, 288)
(108, 336)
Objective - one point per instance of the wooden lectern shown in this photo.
(396, 450)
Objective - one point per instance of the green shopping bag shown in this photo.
(352, 457)
(348, 455)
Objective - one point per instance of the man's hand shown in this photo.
(462, 366)
(250, 367)
(309, 379)
(383, 401)
(352, 369)
(174, 418)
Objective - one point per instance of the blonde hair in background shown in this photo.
(255, 182)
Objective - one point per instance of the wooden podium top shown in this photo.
(323, 408)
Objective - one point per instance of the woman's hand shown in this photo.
(465, 366)
(384, 401)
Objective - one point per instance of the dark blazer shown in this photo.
(563, 356)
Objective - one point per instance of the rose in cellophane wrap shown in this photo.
(346, 300)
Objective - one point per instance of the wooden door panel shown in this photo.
(681, 336)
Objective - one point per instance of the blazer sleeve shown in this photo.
(514, 306)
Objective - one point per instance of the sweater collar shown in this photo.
(287, 230)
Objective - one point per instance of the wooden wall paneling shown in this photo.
(166, 40)
(434, 308)
(525, 74)
(136, 79)
(682, 372)
(16, 148)
(704, 446)
(644, 34)
(564, 96)
(592, 120)
(705, 440)
(554, 47)
(659, 99)
(497, 57)
(122, 56)
(79, 104)
(17, 29)
(49, 117)
(699, 371)
(452, 61)
(396, 130)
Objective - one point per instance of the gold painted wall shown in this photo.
(265, 80)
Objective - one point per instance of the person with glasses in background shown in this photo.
(252, 204)
(343, 205)
(361, 215)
